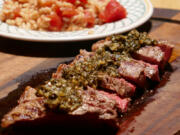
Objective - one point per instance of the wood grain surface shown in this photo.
(159, 115)
(168, 4)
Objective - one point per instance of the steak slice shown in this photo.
(133, 71)
(167, 49)
(102, 105)
(151, 54)
(122, 104)
(96, 102)
(159, 54)
(30, 107)
(118, 85)
(151, 71)
(137, 71)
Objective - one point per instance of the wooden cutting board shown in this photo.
(158, 115)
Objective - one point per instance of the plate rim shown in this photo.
(148, 14)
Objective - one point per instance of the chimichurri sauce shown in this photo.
(63, 93)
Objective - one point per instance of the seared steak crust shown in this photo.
(30, 107)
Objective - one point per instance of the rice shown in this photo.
(42, 14)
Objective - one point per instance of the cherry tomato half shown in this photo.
(55, 22)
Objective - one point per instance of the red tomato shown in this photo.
(55, 23)
(58, 11)
(89, 18)
(83, 1)
(69, 12)
(114, 11)
(71, 1)
(16, 12)
(102, 16)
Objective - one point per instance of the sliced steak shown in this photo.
(151, 71)
(137, 71)
(96, 105)
(94, 102)
(119, 85)
(167, 49)
(133, 71)
(151, 54)
(122, 87)
(122, 104)
(158, 54)
(30, 107)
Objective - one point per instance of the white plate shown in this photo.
(139, 11)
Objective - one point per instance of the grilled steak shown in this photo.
(96, 86)
(137, 71)
(167, 49)
(151, 54)
(30, 107)
(158, 54)
(95, 102)
(119, 85)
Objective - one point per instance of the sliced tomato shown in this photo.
(16, 12)
(89, 18)
(58, 11)
(102, 17)
(71, 1)
(113, 11)
(55, 22)
(69, 12)
(83, 1)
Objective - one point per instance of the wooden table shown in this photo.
(20, 60)
(168, 4)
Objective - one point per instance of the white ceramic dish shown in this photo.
(139, 11)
